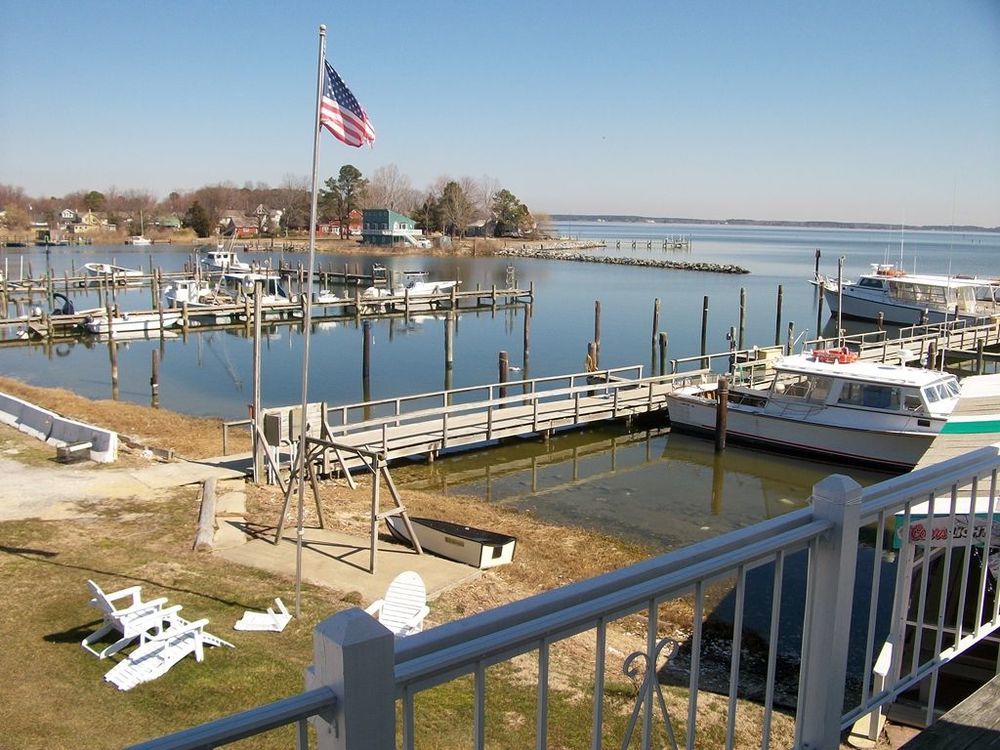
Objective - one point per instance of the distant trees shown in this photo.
(94, 201)
(511, 216)
(388, 188)
(455, 209)
(197, 218)
(343, 195)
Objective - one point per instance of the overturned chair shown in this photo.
(125, 612)
(158, 653)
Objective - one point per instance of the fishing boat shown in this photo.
(906, 299)
(195, 293)
(132, 322)
(111, 273)
(828, 404)
(223, 260)
(465, 544)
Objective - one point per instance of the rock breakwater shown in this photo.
(621, 261)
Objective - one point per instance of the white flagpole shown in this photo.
(307, 324)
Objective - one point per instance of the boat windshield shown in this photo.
(802, 387)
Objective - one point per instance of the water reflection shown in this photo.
(659, 488)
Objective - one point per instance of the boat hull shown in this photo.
(137, 323)
(465, 544)
(892, 450)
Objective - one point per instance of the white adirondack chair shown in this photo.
(136, 619)
(158, 653)
(269, 620)
(404, 606)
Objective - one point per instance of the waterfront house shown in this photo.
(333, 225)
(383, 226)
(238, 224)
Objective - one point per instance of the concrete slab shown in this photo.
(340, 561)
(231, 504)
(177, 473)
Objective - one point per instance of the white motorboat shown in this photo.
(465, 544)
(828, 404)
(224, 260)
(112, 273)
(138, 239)
(132, 322)
(906, 299)
(195, 293)
(423, 295)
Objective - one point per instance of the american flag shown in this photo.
(341, 114)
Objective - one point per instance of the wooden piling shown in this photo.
(366, 349)
(721, 414)
(819, 313)
(791, 335)
(154, 379)
(743, 319)
(449, 330)
(777, 316)
(816, 271)
(704, 332)
(503, 367)
(663, 337)
(526, 344)
(656, 321)
(597, 332)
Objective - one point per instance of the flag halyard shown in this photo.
(340, 112)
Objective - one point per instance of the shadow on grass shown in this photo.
(40, 556)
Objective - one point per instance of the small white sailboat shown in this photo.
(132, 322)
(139, 239)
(111, 273)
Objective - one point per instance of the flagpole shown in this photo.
(307, 325)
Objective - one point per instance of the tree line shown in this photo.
(449, 205)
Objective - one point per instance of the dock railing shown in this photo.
(828, 578)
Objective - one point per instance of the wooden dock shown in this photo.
(974, 724)
(974, 423)
(427, 423)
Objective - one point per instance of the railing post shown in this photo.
(353, 655)
(830, 598)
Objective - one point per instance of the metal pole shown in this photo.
(308, 320)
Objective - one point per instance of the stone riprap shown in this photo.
(552, 254)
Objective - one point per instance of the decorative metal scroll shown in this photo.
(632, 668)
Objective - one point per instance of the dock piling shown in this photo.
(721, 414)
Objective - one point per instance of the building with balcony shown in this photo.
(383, 226)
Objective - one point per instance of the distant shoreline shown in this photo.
(765, 223)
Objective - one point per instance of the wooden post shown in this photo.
(704, 332)
(656, 322)
(980, 359)
(449, 331)
(721, 414)
(816, 272)
(366, 349)
(791, 332)
(591, 356)
(526, 343)
(154, 379)
(777, 319)
(663, 352)
(743, 319)
(819, 313)
(880, 321)
(597, 332)
(503, 367)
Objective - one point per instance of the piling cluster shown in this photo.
(623, 261)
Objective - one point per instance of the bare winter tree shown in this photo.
(486, 189)
(388, 188)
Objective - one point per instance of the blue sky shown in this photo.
(849, 110)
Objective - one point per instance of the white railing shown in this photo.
(934, 606)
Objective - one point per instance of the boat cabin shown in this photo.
(923, 291)
(243, 284)
(806, 379)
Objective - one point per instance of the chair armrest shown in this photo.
(374, 607)
(418, 617)
(153, 605)
(156, 619)
(133, 591)
(176, 629)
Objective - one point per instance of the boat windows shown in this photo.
(869, 283)
(811, 388)
(871, 396)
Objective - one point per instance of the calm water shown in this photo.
(210, 373)
(617, 486)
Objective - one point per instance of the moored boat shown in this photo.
(223, 260)
(112, 273)
(479, 548)
(132, 322)
(830, 405)
(906, 299)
